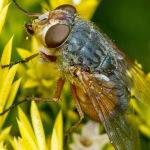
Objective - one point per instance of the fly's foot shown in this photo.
(73, 128)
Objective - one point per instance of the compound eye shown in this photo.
(56, 35)
(68, 8)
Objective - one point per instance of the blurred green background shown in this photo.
(126, 22)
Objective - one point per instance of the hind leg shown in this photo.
(79, 109)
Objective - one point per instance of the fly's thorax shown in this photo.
(92, 50)
(87, 48)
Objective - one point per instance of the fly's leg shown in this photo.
(55, 98)
(36, 99)
(59, 87)
(20, 61)
(79, 109)
(77, 103)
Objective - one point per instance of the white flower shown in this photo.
(90, 139)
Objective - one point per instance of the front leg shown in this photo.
(21, 61)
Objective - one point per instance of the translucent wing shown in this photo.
(109, 109)
(141, 84)
(138, 82)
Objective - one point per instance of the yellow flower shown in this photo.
(143, 121)
(86, 8)
(36, 74)
(8, 87)
(2, 146)
(57, 135)
(3, 13)
(34, 137)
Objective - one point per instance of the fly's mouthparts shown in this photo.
(50, 58)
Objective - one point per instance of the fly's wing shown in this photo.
(103, 98)
(141, 84)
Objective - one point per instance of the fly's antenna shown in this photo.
(30, 14)
(21, 61)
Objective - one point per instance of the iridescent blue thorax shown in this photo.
(87, 47)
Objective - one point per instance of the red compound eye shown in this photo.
(56, 35)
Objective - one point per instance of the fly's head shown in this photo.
(52, 29)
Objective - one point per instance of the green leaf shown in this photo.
(57, 134)
(38, 127)
(3, 14)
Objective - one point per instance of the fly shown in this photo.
(101, 76)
